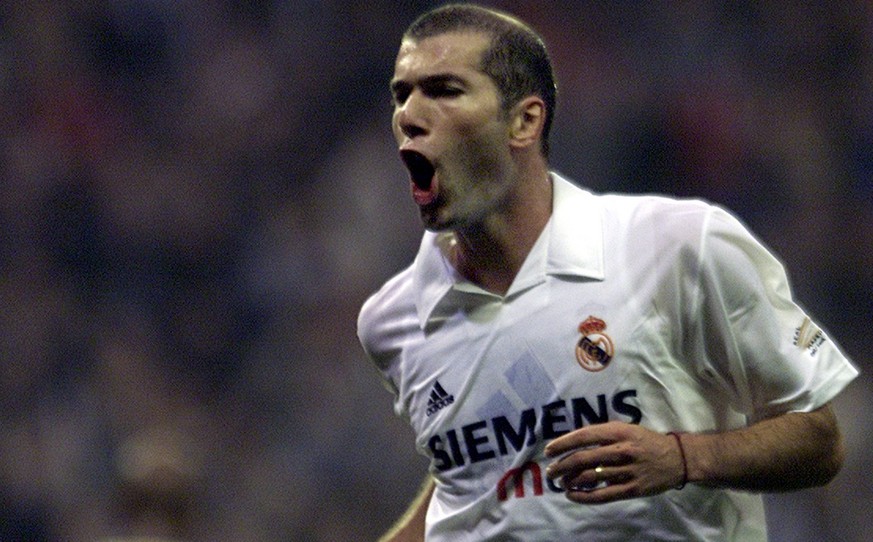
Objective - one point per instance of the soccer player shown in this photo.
(579, 366)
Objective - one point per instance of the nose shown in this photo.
(411, 116)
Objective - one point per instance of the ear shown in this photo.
(527, 121)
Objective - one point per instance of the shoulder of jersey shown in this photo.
(388, 312)
(680, 217)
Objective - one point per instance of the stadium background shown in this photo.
(197, 196)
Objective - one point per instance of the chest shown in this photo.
(494, 377)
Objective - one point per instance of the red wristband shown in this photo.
(684, 462)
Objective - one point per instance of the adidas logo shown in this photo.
(439, 399)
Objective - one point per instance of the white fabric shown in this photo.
(704, 335)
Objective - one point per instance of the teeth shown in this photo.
(419, 168)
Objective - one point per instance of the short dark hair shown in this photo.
(516, 60)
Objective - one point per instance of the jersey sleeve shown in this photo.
(753, 340)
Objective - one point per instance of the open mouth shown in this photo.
(420, 168)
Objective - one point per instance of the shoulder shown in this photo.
(387, 316)
(626, 216)
(394, 297)
(656, 208)
(656, 222)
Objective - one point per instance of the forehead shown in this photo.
(452, 51)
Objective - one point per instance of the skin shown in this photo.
(791, 451)
(491, 185)
(492, 192)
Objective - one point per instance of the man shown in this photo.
(579, 366)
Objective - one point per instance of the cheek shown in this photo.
(395, 128)
(485, 147)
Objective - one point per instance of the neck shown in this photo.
(490, 253)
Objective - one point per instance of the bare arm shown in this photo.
(410, 527)
(791, 451)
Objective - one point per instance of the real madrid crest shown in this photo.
(594, 350)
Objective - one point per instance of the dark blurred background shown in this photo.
(197, 197)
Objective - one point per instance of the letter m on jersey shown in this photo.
(516, 477)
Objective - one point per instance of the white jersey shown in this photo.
(646, 310)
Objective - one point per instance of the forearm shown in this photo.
(410, 527)
(792, 451)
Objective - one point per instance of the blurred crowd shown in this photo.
(197, 197)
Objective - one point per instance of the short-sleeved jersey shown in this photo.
(642, 309)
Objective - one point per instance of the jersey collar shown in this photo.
(571, 245)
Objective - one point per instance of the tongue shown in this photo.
(424, 195)
(421, 173)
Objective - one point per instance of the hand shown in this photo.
(632, 461)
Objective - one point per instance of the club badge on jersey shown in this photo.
(595, 349)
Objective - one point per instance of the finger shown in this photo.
(586, 480)
(575, 439)
(602, 494)
(597, 476)
(591, 435)
(575, 462)
(589, 458)
(579, 438)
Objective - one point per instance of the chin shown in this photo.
(433, 219)
(435, 226)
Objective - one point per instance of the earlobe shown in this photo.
(527, 122)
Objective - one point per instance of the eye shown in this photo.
(444, 90)
(400, 97)
(451, 92)
(400, 93)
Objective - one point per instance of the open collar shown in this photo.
(571, 244)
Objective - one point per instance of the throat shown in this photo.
(484, 265)
(490, 253)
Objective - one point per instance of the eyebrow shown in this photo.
(429, 80)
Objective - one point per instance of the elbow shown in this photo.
(832, 451)
(832, 463)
